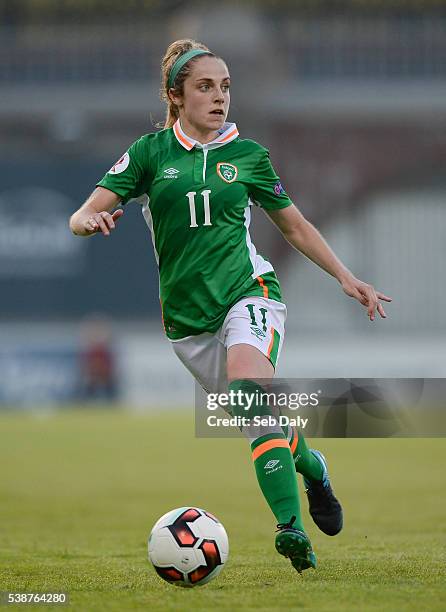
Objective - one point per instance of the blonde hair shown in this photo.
(174, 51)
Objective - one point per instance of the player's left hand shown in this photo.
(366, 295)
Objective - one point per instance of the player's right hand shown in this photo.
(102, 222)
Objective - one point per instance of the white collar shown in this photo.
(230, 132)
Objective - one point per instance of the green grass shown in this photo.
(80, 491)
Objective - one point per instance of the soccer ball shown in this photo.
(188, 546)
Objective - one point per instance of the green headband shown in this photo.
(181, 61)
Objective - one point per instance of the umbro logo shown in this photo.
(171, 173)
(271, 464)
(258, 333)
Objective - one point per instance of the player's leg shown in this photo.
(272, 458)
(251, 360)
(271, 454)
(260, 323)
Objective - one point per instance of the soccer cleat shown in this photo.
(325, 509)
(295, 545)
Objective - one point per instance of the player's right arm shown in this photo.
(94, 216)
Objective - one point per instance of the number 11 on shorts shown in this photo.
(263, 312)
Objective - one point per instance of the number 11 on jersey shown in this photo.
(207, 207)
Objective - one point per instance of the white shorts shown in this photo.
(257, 321)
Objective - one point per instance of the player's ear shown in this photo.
(175, 97)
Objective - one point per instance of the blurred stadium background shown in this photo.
(350, 98)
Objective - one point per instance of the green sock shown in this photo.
(273, 461)
(305, 462)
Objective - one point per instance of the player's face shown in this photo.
(204, 105)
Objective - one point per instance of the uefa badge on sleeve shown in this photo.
(278, 189)
(120, 165)
(227, 172)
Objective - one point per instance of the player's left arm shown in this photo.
(304, 237)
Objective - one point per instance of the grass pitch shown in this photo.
(80, 491)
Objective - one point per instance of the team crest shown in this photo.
(227, 172)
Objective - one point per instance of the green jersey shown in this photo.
(196, 202)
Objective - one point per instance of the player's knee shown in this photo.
(248, 399)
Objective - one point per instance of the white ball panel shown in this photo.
(163, 550)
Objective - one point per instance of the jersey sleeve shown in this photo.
(265, 187)
(131, 175)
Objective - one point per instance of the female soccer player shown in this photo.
(221, 302)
